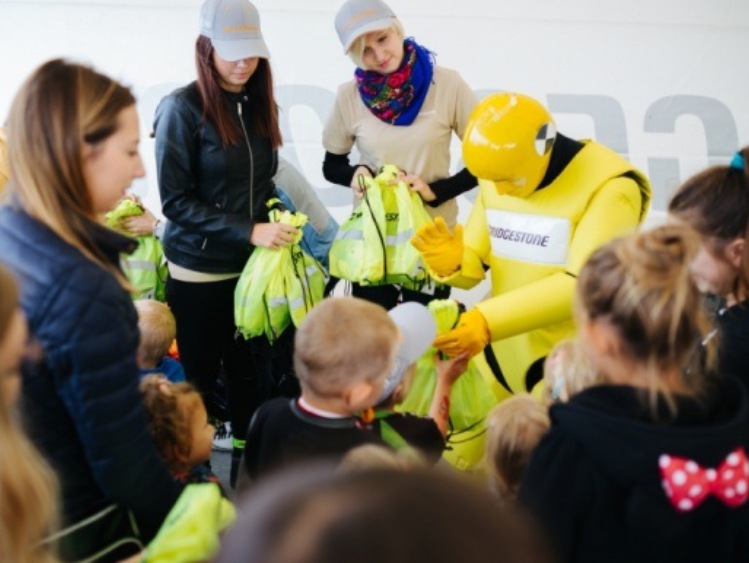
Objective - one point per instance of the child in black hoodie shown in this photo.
(650, 465)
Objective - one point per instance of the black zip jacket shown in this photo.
(212, 196)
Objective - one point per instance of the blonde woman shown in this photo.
(27, 487)
(650, 464)
(73, 151)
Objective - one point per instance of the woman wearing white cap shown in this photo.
(400, 108)
(216, 152)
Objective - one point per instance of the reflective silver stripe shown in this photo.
(140, 265)
(296, 303)
(277, 302)
(400, 238)
(354, 234)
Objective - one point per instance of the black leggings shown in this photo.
(208, 341)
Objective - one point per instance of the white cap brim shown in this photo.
(376, 25)
(238, 49)
(418, 330)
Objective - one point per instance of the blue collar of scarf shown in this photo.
(397, 98)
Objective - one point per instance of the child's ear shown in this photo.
(602, 337)
(735, 251)
(360, 396)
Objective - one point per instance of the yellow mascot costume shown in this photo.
(545, 203)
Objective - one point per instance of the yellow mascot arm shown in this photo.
(615, 210)
(476, 250)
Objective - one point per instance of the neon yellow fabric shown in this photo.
(145, 268)
(277, 287)
(597, 197)
(192, 528)
(373, 246)
(472, 396)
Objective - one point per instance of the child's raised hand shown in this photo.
(449, 370)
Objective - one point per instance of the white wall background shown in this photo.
(664, 83)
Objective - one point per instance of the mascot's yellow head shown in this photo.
(508, 142)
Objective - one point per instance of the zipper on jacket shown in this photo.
(252, 159)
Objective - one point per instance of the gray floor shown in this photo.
(221, 464)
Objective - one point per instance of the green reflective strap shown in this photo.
(238, 444)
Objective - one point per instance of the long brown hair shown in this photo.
(715, 202)
(263, 107)
(60, 108)
(28, 488)
(641, 284)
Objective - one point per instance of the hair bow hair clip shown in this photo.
(687, 484)
(738, 162)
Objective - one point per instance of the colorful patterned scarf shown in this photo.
(397, 98)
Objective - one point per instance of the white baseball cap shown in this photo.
(357, 17)
(233, 26)
(418, 330)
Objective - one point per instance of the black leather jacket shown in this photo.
(211, 196)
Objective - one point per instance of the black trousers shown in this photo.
(208, 343)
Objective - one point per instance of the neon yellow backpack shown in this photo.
(373, 245)
(472, 396)
(277, 287)
(191, 531)
(145, 268)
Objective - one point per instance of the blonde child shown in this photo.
(158, 330)
(650, 465)
(180, 427)
(371, 457)
(715, 203)
(566, 372)
(514, 428)
(343, 352)
(28, 489)
(401, 429)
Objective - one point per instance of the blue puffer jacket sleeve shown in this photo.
(81, 405)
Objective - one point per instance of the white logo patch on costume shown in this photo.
(530, 238)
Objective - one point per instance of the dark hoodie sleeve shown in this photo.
(554, 490)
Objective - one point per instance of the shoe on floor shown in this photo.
(222, 437)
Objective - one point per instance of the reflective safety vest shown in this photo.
(472, 396)
(146, 269)
(373, 245)
(278, 287)
(191, 530)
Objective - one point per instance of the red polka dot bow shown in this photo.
(687, 484)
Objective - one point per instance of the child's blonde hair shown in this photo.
(169, 407)
(567, 371)
(344, 340)
(514, 428)
(372, 456)
(28, 488)
(642, 286)
(157, 327)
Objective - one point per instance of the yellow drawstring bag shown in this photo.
(191, 531)
(472, 396)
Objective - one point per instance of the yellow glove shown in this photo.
(470, 336)
(441, 250)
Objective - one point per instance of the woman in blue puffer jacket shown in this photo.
(73, 151)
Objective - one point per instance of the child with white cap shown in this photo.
(401, 429)
(400, 108)
(345, 350)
